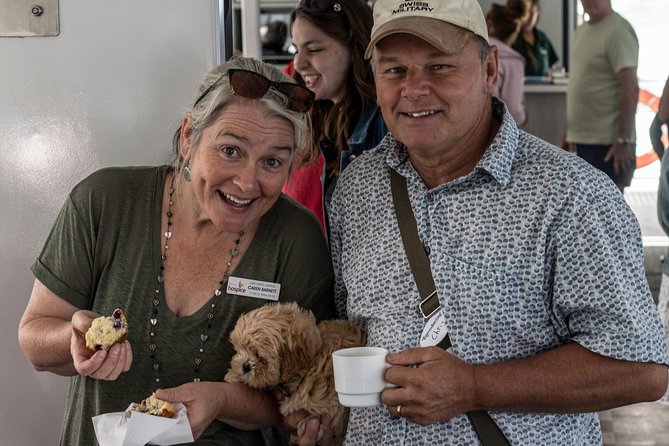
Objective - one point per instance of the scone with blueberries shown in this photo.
(155, 406)
(106, 331)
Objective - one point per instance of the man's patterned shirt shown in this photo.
(531, 250)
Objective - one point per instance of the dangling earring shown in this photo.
(187, 175)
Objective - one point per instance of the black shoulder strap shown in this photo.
(418, 260)
(485, 427)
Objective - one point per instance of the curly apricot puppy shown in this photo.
(280, 346)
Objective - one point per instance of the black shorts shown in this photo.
(595, 153)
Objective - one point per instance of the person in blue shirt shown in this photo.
(661, 118)
(663, 208)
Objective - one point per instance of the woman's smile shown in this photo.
(234, 201)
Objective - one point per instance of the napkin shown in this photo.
(137, 429)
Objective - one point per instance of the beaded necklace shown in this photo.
(160, 283)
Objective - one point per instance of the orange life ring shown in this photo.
(653, 102)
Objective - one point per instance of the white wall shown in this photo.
(109, 90)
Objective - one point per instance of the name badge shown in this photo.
(253, 288)
(434, 331)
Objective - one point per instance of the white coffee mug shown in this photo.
(359, 375)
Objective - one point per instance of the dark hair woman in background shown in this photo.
(330, 38)
(534, 45)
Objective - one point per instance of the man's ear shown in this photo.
(185, 136)
(491, 67)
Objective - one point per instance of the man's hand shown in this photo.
(312, 427)
(566, 145)
(622, 155)
(433, 385)
(102, 364)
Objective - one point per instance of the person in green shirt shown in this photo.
(176, 248)
(534, 45)
(603, 92)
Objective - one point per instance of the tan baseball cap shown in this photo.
(441, 23)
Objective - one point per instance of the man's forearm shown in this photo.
(247, 408)
(629, 97)
(567, 379)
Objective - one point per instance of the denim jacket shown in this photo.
(308, 185)
(367, 134)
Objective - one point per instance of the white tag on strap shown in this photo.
(434, 331)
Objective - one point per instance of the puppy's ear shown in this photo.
(302, 342)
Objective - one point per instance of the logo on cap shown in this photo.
(413, 6)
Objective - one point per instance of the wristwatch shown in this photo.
(627, 142)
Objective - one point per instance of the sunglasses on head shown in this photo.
(252, 85)
(320, 5)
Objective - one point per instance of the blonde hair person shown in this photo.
(218, 95)
(182, 249)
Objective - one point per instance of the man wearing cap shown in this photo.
(535, 256)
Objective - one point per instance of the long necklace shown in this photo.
(160, 283)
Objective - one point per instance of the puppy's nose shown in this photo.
(246, 367)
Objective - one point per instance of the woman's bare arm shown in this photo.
(51, 334)
(45, 331)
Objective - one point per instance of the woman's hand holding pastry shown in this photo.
(201, 400)
(101, 364)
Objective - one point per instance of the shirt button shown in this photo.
(427, 249)
(351, 158)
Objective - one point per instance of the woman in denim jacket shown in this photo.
(330, 37)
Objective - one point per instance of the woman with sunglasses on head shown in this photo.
(176, 248)
(330, 37)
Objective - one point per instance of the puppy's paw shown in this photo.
(233, 376)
